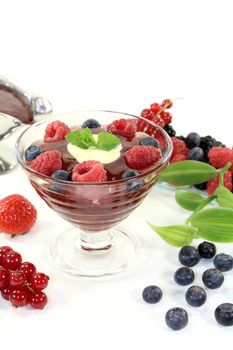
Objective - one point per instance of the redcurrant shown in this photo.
(39, 281)
(17, 278)
(167, 117)
(4, 277)
(19, 297)
(6, 292)
(155, 108)
(12, 260)
(38, 300)
(167, 103)
(28, 268)
(4, 250)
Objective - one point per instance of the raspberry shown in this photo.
(178, 158)
(219, 156)
(179, 147)
(48, 162)
(213, 183)
(56, 131)
(89, 171)
(122, 127)
(142, 157)
(17, 215)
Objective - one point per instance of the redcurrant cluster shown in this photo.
(156, 113)
(19, 281)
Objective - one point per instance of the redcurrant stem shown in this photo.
(167, 104)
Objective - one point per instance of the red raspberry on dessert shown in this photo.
(213, 183)
(220, 156)
(56, 131)
(179, 147)
(17, 215)
(142, 157)
(122, 127)
(89, 171)
(47, 162)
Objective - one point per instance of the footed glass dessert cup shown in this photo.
(95, 245)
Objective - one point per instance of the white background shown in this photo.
(117, 55)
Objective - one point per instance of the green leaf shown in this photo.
(176, 235)
(188, 200)
(107, 141)
(224, 197)
(214, 224)
(188, 172)
(81, 138)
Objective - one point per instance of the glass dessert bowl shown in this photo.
(95, 246)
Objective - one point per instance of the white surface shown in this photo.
(118, 55)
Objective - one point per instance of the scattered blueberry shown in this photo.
(61, 175)
(32, 152)
(196, 153)
(176, 318)
(129, 173)
(207, 250)
(91, 123)
(133, 185)
(195, 296)
(193, 140)
(149, 141)
(224, 314)
(152, 294)
(223, 262)
(184, 276)
(189, 256)
(212, 278)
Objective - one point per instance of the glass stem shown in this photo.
(96, 242)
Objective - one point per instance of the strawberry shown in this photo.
(17, 215)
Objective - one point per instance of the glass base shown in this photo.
(79, 257)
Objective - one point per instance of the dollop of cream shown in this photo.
(92, 153)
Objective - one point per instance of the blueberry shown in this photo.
(129, 173)
(207, 250)
(189, 256)
(176, 318)
(149, 141)
(184, 276)
(193, 140)
(224, 314)
(152, 294)
(223, 262)
(133, 185)
(196, 153)
(32, 152)
(212, 278)
(61, 175)
(195, 296)
(91, 123)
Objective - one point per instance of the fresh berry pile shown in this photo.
(213, 278)
(192, 147)
(17, 215)
(20, 283)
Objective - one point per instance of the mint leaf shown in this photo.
(107, 141)
(81, 138)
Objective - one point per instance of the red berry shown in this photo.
(89, 171)
(4, 278)
(17, 278)
(213, 183)
(142, 157)
(179, 146)
(12, 260)
(155, 108)
(122, 127)
(6, 292)
(47, 162)
(167, 103)
(146, 113)
(56, 131)
(39, 281)
(167, 117)
(38, 300)
(29, 269)
(17, 216)
(3, 250)
(220, 156)
(19, 297)
(178, 158)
